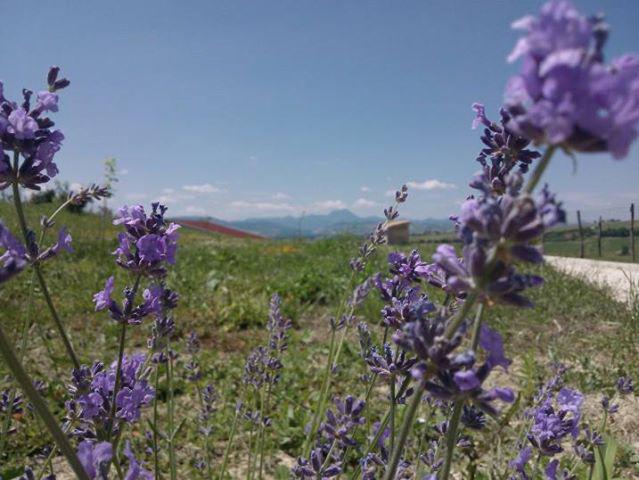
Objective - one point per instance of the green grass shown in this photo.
(225, 285)
(612, 249)
(564, 241)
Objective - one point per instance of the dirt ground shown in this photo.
(621, 278)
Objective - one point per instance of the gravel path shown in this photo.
(618, 276)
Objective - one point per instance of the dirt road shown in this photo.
(619, 277)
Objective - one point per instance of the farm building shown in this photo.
(398, 232)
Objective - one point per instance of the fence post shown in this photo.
(581, 235)
(599, 238)
(632, 231)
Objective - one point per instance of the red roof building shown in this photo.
(206, 226)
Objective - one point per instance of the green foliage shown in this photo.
(225, 285)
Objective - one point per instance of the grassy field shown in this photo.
(615, 242)
(225, 285)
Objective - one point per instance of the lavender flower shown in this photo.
(63, 244)
(29, 475)
(503, 151)
(404, 300)
(277, 326)
(609, 408)
(378, 235)
(25, 133)
(154, 301)
(149, 242)
(339, 424)
(565, 94)
(316, 468)
(8, 407)
(14, 258)
(388, 363)
(625, 385)
(456, 376)
(135, 470)
(92, 391)
(208, 408)
(497, 231)
(473, 418)
(263, 364)
(585, 446)
(95, 458)
(553, 421)
(520, 462)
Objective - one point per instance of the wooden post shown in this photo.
(632, 231)
(599, 238)
(581, 235)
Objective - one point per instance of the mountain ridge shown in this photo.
(318, 225)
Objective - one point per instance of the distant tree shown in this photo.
(44, 196)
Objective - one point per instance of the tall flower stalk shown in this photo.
(343, 321)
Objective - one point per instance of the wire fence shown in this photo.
(605, 238)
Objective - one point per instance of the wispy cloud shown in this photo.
(263, 206)
(174, 198)
(203, 188)
(432, 184)
(137, 196)
(365, 189)
(281, 196)
(327, 205)
(363, 203)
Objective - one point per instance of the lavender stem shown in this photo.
(36, 267)
(409, 415)
(451, 440)
(40, 406)
(539, 169)
(229, 443)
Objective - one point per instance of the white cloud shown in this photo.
(365, 189)
(75, 187)
(328, 205)
(168, 191)
(204, 188)
(364, 203)
(281, 196)
(124, 171)
(433, 184)
(174, 198)
(263, 206)
(389, 193)
(136, 196)
(194, 210)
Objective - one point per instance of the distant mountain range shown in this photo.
(316, 225)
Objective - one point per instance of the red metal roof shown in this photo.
(207, 226)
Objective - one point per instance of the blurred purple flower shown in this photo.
(14, 258)
(135, 470)
(95, 458)
(103, 299)
(565, 94)
(553, 421)
(21, 125)
(625, 385)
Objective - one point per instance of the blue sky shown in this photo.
(259, 108)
